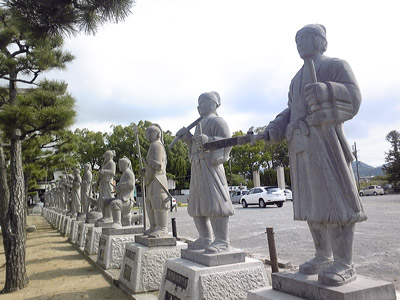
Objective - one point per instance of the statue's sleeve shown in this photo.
(344, 90)
(220, 130)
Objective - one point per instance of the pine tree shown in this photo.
(31, 40)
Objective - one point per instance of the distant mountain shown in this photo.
(367, 170)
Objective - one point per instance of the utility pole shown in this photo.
(356, 156)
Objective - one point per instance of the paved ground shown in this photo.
(376, 247)
(56, 270)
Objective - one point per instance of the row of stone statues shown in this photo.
(322, 96)
(73, 195)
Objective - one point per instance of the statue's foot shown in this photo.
(337, 274)
(217, 246)
(159, 232)
(116, 225)
(315, 265)
(105, 220)
(200, 243)
(149, 231)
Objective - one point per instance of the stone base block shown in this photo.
(308, 287)
(215, 259)
(184, 279)
(112, 249)
(155, 242)
(66, 230)
(60, 221)
(133, 229)
(82, 231)
(56, 221)
(74, 231)
(92, 240)
(104, 224)
(269, 294)
(142, 266)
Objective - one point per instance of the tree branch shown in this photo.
(21, 80)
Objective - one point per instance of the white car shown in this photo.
(288, 194)
(236, 195)
(263, 196)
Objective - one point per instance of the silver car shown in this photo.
(263, 196)
(372, 190)
(236, 195)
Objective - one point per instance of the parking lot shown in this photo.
(376, 245)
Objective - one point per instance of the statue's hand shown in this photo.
(200, 140)
(317, 96)
(272, 133)
(181, 132)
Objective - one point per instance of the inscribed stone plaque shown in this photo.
(177, 278)
(130, 254)
(127, 272)
(169, 296)
(101, 254)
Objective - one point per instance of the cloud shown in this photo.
(154, 65)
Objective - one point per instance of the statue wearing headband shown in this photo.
(322, 95)
(209, 201)
(157, 200)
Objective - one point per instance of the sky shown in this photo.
(155, 64)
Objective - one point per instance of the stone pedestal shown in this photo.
(184, 279)
(308, 287)
(61, 223)
(112, 245)
(234, 256)
(74, 231)
(142, 265)
(82, 231)
(66, 229)
(92, 240)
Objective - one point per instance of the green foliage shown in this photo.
(261, 156)
(392, 167)
(90, 147)
(68, 16)
(39, 111)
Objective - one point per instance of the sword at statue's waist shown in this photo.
(249, 138)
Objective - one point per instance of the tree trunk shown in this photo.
(4, 191)
(14, 231)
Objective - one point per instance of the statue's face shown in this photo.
(205, 106)
(123, 165)
(305, 45)
(151, 135)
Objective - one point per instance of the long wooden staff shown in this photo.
(136, 130)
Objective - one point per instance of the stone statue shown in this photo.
(106, 176)
(76, 193)
(121, 205)
(209, 201)
(64, 193)
(157, 200)
(86, 187)
(324, 190)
